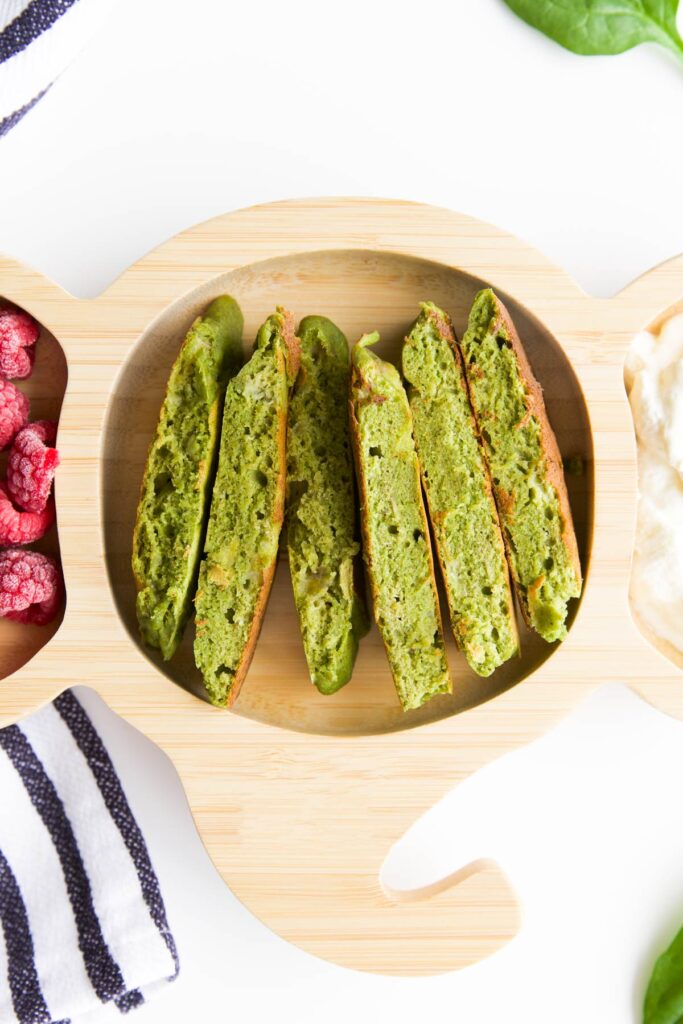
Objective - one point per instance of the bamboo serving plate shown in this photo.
(298, 797)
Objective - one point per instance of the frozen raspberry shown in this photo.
(18, 335)
(32, 464)
(19, 527)
(30, 586)
(13, 412)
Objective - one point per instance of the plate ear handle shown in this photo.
(654, 296)
(48, 303)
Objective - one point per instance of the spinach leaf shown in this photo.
(603, 26)
(664, 996)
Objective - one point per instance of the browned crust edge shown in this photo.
(292, 345)
(356, 380)
(535, 406)
(254, 631)
(446, 331)
(289, 362)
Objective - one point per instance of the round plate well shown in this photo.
(360, 291)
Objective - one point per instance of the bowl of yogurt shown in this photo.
(654, 383)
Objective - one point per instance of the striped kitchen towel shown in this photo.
(38, 39)
(83, 923)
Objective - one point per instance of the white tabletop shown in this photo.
(177, 112)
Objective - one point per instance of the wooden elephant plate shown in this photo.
(297, 796)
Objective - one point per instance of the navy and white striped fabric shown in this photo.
(38, 39)
(82, 919)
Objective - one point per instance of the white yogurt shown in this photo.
(654, 381)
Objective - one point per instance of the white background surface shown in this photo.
(180, 111)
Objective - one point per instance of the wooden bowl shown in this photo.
(298, 796)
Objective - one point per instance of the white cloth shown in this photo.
(82, 920)
(38, 39)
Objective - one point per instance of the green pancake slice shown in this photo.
(467, 535)
(174, 496)
(397, 548)
(247, 510)
(322, 538)
(525, 466)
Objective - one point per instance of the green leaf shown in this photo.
(664, 996)
(603, 26)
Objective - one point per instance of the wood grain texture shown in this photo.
(298, 796)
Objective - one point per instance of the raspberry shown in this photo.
(13, 412)
(30, 586)
(18, 527)
(18, 335)
(31, 465)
